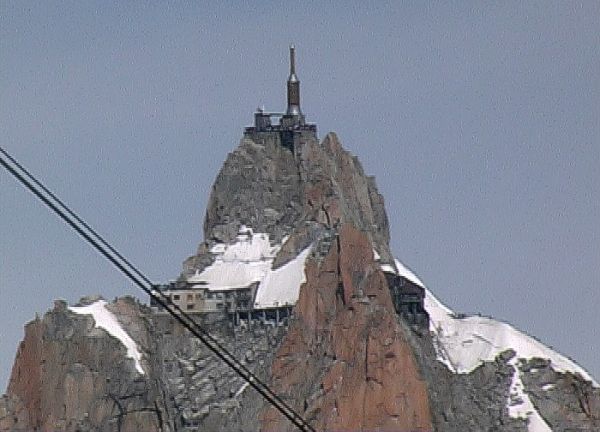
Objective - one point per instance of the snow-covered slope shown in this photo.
(239, 264)
(464, 343)
(282, 286)
(250, 260)
(106, 320)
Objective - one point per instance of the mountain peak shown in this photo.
(295, 277)
(295, 196)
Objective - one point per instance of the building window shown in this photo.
(175, 296)
(190, 297)
(190, 306)
(198, 296)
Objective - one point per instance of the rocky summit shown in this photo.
(294, 276)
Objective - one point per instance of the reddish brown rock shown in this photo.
(336, 190)
(69, 375)
(345, 363)
(25, 380)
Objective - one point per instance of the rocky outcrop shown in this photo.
(205, 394)
(258, 186)
(345, 362)
(470, 402)
(337, 191)
(566, 401)
(295, 196)
(71, 376)
(479, 400)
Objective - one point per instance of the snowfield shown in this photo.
(106, 320)
(464, 343)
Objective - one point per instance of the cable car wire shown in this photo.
(138, 278)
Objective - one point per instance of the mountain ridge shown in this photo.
(270, 206)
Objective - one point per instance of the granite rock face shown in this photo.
(204, 394)
(71, 376)
(295, 196)
(564, 400)
(345, 360)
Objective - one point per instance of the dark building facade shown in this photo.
(408, 299)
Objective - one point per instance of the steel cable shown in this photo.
(138, 278)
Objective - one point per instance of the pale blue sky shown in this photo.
(479, 120)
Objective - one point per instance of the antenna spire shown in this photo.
(292, 60)
(293, 87)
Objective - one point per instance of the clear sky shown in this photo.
(480, 121)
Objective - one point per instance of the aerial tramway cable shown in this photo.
(138, 278)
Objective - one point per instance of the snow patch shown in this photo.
(400, 270)
(281, 287)
(249, 260)
(106, 320)
(241, 389)
(239, 264)
(376, 255)
(406, 273)
(462, 344)
(388, 268)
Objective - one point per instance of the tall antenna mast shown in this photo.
(293, 87)
(292, 60)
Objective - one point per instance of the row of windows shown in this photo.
(240, 299)
(209, 295)
(192, 306)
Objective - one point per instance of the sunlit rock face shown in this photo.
(346, 362)
(306, 226)
(71, 375)
(293, 196)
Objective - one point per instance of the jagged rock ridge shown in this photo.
(362, 366)
(293, 195)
